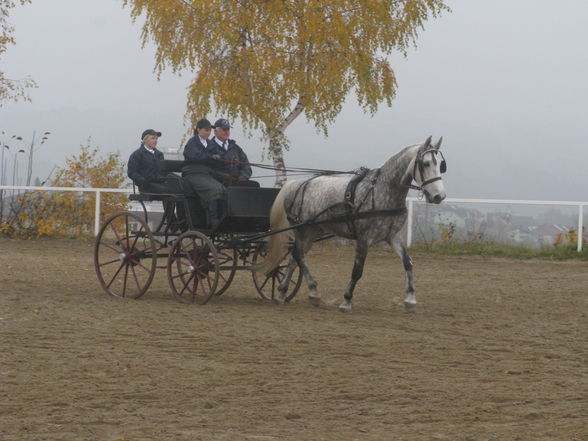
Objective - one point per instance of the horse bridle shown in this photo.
(421, 167)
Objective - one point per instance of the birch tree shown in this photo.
(11, 89)
(266, 62)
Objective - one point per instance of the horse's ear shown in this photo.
(427, 143)
(437, 145)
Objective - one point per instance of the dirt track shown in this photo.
(497, 350)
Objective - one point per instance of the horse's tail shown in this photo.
(278, 242)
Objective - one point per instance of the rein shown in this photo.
(301, 170)
(322, 172)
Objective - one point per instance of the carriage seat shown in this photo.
(172, 168)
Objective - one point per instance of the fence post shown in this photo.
(97, 214)
(409, 224)
(580, 226)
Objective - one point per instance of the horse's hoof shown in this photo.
(345, 307)
(314, 298)
(410, 306)
(279, 300)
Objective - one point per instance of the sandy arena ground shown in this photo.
(497, 350)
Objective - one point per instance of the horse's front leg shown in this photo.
(360, 255)
(400, 249)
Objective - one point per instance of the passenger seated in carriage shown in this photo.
(210, 165)
(144, 170)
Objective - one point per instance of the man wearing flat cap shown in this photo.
(144, 163)
(235, 166)
(144, 168)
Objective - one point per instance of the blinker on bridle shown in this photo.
(421, 167)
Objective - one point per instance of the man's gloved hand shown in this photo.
(243, 178)
(159, 180)
(225, 176)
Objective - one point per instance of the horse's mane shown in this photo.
(394, 160)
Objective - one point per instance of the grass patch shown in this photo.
(455, 248)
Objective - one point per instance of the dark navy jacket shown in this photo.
(233, 153)
(144, 167)
(196, 153)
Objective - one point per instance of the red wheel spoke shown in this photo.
(136, 253)
(136, 237)
(201, 273)
(128, 246)
(118, 250)
(192, 260)
(180, 275)
(189, 257)
(116, 234)
(195, 289)
(115, 274)
(124, 291)
(136, 279)
(277, 276)
(127, 230)
(136, 262)
(109, 262)
(265, 282)
(186, 284)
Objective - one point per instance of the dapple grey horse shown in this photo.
(377, 214)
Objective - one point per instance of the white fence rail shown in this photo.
(98, 192)
(411, 201)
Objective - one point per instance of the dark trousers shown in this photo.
(173, 184)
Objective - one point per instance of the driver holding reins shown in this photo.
(234, 168)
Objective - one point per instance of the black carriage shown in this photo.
(200, 261)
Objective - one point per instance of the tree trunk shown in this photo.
(278, 142)
(276, 149)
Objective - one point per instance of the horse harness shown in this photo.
(351, 209)
(421, 168)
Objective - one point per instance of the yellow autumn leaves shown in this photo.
(39, 214)
(265, 61)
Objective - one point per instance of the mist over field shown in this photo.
(503, 82)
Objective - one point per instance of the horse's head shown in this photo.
(429, 164)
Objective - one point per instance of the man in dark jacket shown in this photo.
(201, 157)
(235, 166)
(144, 165)
(144, 168)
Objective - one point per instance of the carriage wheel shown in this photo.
(193, 268)
(227, 260)
(125, 256)
(267, 285)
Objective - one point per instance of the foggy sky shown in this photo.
(504, 82)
